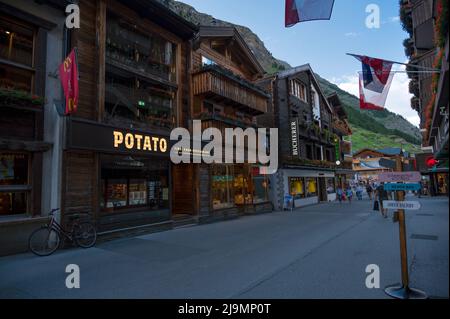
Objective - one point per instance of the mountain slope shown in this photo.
(385, 125)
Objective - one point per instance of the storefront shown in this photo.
(132, 188)
(308, 187)
(233, 190)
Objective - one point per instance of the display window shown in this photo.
(331, 185)
(242, 186)
(311, 187)
(260, 187)
(14, 183)
(297, 187)
(132, 183)
(222, 186)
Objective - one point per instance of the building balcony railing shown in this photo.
(342, 127)
(21, 100)
(219, 84)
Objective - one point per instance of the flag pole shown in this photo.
(406, 64)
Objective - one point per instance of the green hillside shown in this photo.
(363, 138)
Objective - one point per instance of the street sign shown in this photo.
(402, 187)
(390, 204)
(394, 177)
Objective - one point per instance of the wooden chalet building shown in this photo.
(343, 147)
(223, 95)
(32, 45)
(307, 153)
(134, 61)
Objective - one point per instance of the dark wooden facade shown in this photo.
(125, 50)
(22, 99)
(224, 95)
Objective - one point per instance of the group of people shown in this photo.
(375, 192)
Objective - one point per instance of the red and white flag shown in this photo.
(307, 10)
(372, 100)
(374, 82)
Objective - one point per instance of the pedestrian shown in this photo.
(349, 194)
(339, 193)
(382, 195)
(359, 192)
(369, 190)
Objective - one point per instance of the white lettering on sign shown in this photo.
(402, 205)
(394, 177)
(294, 138)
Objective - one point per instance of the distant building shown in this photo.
(368, 163)
(310, 145)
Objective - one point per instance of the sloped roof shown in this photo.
(305, 68)
(372, 165)
(391, 151)
(231, 32)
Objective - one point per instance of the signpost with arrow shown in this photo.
(404, 291)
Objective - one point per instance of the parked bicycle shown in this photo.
(45, 241)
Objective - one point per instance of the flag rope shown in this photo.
(406, 64)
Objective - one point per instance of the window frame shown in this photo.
(17, 65)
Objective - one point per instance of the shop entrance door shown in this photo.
(323, 195)
(183, 200)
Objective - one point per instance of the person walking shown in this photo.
(369, 190)
(382, 195)
(339, 193)
(359, 192)
(349, 194)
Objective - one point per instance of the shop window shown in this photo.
(331, 186)
(16, 55)
(222, 186)
(311, 187)
(242, 183)
(297, 187)
(130, 183)
(260, 188)
(14, 183)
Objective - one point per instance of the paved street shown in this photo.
(315, 252)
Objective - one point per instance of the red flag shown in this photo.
(307, 10)
(68, 73)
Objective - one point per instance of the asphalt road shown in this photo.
(320, 251)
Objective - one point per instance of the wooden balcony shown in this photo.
(342, 127)
(223, 87)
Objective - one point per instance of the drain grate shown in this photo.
(424, 237)
(426, 215)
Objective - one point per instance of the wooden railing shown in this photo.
(211, 82)
(342, 127)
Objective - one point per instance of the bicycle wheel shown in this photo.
(44, 241)
(85, 235)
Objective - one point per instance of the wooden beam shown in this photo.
(101, 48)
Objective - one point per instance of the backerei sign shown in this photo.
(84, 135)
(294, 138)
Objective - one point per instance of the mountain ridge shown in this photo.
(383, 123)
